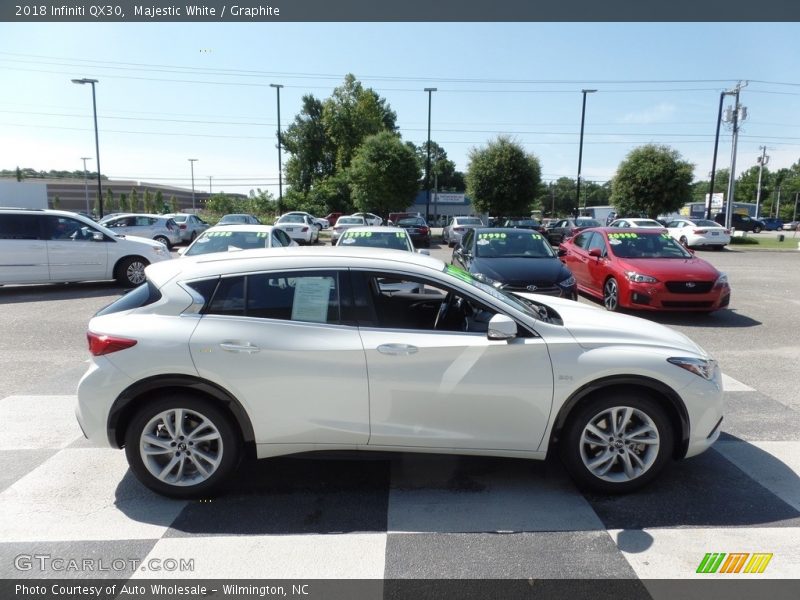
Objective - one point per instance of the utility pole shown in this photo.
(278, 87)
(191, 163)
(209, 183)
(762, 160)
(734, 115)
(580, 156)
(86, 185)
(428, 162)
(778, 205)
(714, 160)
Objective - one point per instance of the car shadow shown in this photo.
(331, 495)
(14, 294)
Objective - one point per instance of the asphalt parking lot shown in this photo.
(411, 516)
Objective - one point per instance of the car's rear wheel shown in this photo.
(684, 241)
(192, 237)
(617, 443)
(756, 229)
(163, 240)
(182, 446)
(611, 294)
(130, 271)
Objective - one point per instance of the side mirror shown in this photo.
(424, 251)
(595, 252)
(502, 327)
(561, 252)
(98, 237)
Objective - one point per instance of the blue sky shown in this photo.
(173, 91)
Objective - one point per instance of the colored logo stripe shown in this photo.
(711, 562)
(758, 563)
(734, 562)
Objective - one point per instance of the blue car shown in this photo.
(772, 224)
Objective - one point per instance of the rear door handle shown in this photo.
(242, 348)
(397, 349)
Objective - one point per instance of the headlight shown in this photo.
(639, 278)
(161, 250)
(722, 281)
(568, 282)
(705, 368)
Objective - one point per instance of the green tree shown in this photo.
(313, 156)
(220, 203)
(96, 206)
(18, 174)
(160, 205)
(134, 201)
(56, 202)
(652, 180)
(383, 174)
(123, 203)
(502, 179)
(443, 170)
(351, 114)
(108, 203)
(173, 204)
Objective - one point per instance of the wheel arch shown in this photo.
(667, 397)
(122, 259)
(147, 390)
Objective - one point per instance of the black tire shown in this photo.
(717, 247)
(193, 237)
(130, 271)
(756, 229)
(684, 242)
(646, 460)
(190, 481)
(163, 240)
(611, 295)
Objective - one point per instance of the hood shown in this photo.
(140, 240)
(592, 326)
(689, 269)
(527, 270)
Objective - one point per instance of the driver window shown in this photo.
(419, 304)
(598, 242)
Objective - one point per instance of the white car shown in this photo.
(189, 226)
(161, 228)
(625, 223)
(318, 221)
(699, 232)
(369, 218)
(454, 231)
(48, 246)
(200, 366)
(300, 228)
(231, 238)
(391, 238)
(343, 224)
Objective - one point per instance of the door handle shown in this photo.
(242, 348)
(397, 349)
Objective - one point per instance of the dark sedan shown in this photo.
(417, 229)
(525, 224)
(518, 260)
(566, 228)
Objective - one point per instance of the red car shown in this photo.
(643, 269)
(332, 218)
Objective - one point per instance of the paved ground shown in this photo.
(405, 516)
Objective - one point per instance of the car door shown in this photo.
(263, 334)
(463, 253)
(432, 388)
(72, 251)
(577, 258)
(597, 267)
(23, 249)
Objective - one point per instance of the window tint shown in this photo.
(597, 241)
(468, 238)
(67, 229)
(309, 296)
(145, 294)
(582, 239)
(283, 237)
(19, 227)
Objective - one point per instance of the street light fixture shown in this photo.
(86, 184)
(96, 142)
(278, 87)
(428, 163)
(580, 154)
(191, 162)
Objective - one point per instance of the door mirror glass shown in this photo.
(97, 236)
(595, 252)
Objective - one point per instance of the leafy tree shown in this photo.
(173, 204)
(502, 179)
(123, 203)
(313, 156)
(134, 201)
(557, 198)
(333, 194)
(220, 203)
(160, 206)
(351, 114)
(108, 203)
(147, 200)
(443, 170)
(383, 174)
(652, 180)
(56, 202)
(18, 174)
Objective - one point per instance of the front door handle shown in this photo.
(397, 349)
(247, 348)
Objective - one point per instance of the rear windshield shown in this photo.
(470, 221)
(145, 294)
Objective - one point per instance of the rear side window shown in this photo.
(19, 227)
(308, 296)
(145, 294)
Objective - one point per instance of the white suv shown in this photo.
(46, 246)
(287, 350)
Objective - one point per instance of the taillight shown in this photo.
(458, 229)
(106, 344)
(182, 226)
(700, 231)
(423, 230)
(304, 229)
(727, 232)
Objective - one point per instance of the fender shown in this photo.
(674, 399)
(125, 404)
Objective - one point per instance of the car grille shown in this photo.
(546, 288)
(689, 287)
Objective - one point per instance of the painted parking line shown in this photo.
(729, 384)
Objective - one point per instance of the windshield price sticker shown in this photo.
(623, 236)
(491, 236)
(357, 234)
(220, 233)
(536, 236)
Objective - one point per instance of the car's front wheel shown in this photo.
(182, 446)
(756, 229)
(611, 294)
(130, 272)
(617, 443)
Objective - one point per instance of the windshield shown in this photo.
(392, 240)
(223, 241)
(705, 223)
(646, 245)
(292, 219)
(412, 221)
(587, 223)
(512, 245)
(350, 221)
(233, 219)
(469, 221)
(524, 223)
(645, 223)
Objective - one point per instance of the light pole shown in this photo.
(580, 154)
(762, 160)
(428, 162)
(96, 142)
(714, 160)
(278, 87)
(734, 118)
(191, 162)
(86, 183)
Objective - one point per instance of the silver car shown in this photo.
(190, 226)
(456, 228)
(161, 228)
